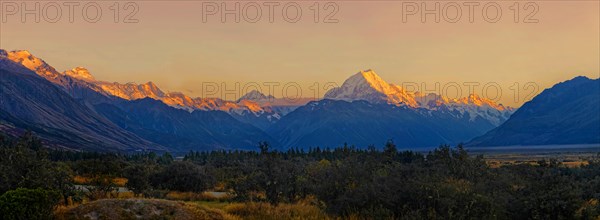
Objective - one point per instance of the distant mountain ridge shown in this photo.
(30, 102)
(365, 110)
(256, 96)
(87, 115)
(253, 107)
(331, 123)
(368, 86)
(567, 113)
(180, 130)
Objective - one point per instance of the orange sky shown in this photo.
(173, 47)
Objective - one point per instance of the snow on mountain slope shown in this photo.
(33, 63)
(36, 64)
(368, 86)
(131, 91)
(257, 108)
(76, 82)
(331, 123)
(73, 80)
(80, 73)
(30, 102)
(473, 105)
(477, 106)
(70, 115)
(256, 96)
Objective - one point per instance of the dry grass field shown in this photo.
(81, 180)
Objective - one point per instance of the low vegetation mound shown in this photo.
(140, 209)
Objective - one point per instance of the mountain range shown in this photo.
(134, 112)
(567, 113)
(366, 110)
(30, 102)
(368, 86)
(74, 110)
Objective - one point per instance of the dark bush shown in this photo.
(28, 204)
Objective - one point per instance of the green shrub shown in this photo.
(28, 204)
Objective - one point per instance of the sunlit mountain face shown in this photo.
(368, 86)
(250, 108)
(30, 102)
(308, 109)
(91, 112)
(365, 85)
(364, 111)
(367, 111)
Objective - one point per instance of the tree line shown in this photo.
(445, 183)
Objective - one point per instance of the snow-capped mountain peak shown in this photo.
(80, 73)
(25, 58)
(33, 63)
(257, 96)
(132, 91)
(480, 101)
(81, 77)
(368, 86)
(150, 86)
(370, 78)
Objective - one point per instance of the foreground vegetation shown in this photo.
(139, 209)
(164, 209)
(345, 182)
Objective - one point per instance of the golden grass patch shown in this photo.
(82, 180)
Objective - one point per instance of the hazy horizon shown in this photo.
(172, 47)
